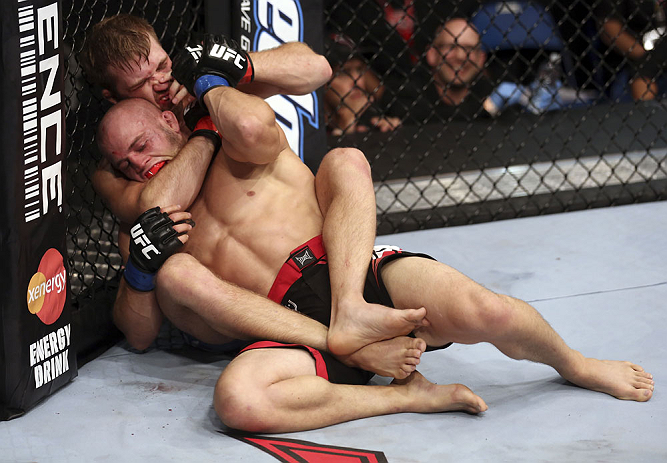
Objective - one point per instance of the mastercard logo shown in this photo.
(48, 288)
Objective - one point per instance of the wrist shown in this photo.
(205, 128)
(138, 279)
(208, 82)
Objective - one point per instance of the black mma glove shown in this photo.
(152, 240)
(197, 119)
(214, 62)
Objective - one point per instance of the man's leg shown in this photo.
(345, 193)
(460, 310)
(276, 390)
(217, 312)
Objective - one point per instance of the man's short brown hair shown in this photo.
(121, 41)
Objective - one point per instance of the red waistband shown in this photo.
(309, 253)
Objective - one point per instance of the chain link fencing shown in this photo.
(94, 259)
(472, 111)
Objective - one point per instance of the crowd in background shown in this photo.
(405, 62)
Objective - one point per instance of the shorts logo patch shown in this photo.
(304, 258)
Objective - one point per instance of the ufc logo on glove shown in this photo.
(195, 52)
(142, 240)
(227, 54)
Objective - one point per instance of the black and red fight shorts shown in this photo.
(303, 285)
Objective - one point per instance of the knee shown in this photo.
(486, 315)
(171, 273)
(495, 313)
(240, 403)
(344, 160)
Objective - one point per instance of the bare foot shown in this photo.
(396, 358)
(623, 380)
(356, 325)
(430, 398)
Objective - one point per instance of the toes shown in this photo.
(411, 361)
(401, 374)
(640, 385)
(636, 367)
(406, 371)
(640, 379)
(638, 394)
(645, 394)
(644, 374)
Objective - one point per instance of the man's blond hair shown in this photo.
(121, 41)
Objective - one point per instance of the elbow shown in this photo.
(260, 136)
(138, 339)
(140, 343)
(322, 71)
(319, 73)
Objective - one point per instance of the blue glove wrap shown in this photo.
(137, 279)
(207, 82)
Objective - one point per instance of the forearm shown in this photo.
(178, 183)
(290, 69)
(615, 35)
(137, 315)
(180, 180)
(246, 123)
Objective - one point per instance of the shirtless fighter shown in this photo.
(256, 215)
(122, 55)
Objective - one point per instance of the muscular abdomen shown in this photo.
(248, 220)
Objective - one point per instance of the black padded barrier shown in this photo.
(37, 353)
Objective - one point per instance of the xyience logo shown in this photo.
(47, 288)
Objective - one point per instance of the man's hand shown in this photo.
(179, 94)
(218, 61)
(198, 120)
(154, 237)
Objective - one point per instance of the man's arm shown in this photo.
(290, 69)
(179, 182)
(247, 125)
(136, 312)
(616, 35)
(137, 315)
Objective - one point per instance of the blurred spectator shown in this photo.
(455, 85)
(457, 60)
(366, 23)
(634, 31)
(352, 94)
